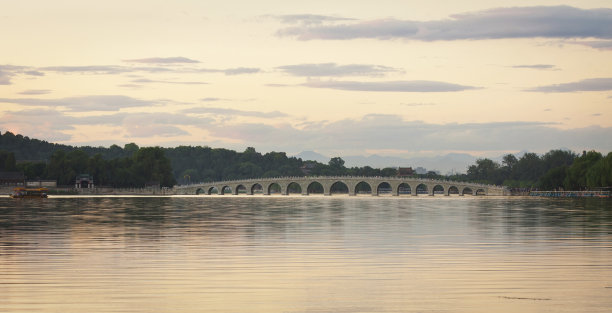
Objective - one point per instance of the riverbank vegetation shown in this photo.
(556, 169)
(132, 166)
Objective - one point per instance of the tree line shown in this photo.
(132, 166)
(554, 170)
(145, 166)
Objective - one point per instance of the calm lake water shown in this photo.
(305, 254)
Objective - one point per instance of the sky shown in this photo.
(391, 78)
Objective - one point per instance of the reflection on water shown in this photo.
(305, 254)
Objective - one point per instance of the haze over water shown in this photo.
(305, 254)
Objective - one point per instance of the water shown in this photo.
(305, 254)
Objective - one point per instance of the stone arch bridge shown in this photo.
(350, 185)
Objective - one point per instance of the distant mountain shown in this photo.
(452, 162)
(313, 156)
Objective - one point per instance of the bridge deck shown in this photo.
(351, 185)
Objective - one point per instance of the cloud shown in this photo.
(377, 132)
(241, 70)
(84, 103)
(379, 29)
(146, 81)
(596, 44)
(332, 69)
(95, 69)
(592, 84)
(35, 92)
(9, 71)
(210, 99)
(171, 60)
(371, 132)
(309, 19)
(563, 22)
(34, 73)
(536, 66)
(5, 78)
(389, 86)
(233, 112)
(45, 124)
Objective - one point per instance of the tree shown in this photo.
(600, 174)
(151, 165)
(509, 162)
(484, 170)
(528, 168)
(554, 178)
(7, 161)
(576, 178)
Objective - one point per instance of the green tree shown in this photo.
(576, 178)
(600, 174)
(485, 170)
(528, 168)
(554, 178)
(336, 166)
(151, 165)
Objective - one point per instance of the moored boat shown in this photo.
(21, 193)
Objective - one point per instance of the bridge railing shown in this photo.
(227, 182)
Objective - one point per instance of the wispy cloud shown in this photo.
(158, 60)
(210, 99)
(233, 112)
(373, 132)
(389, 86)
(148, 81)
(595, 44)
(592, 84)
(309, 19)
(45, 124)
(7, 72)
(563, 22)
(35, 92)
(84, 103)
(5, 78)
(333, 69)
(94, 69)
(536, 66)
(241, 70)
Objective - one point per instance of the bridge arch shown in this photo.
(294, 187)
(384, 188)
(467, 190)
(256, 188)
(404, 189)
(480, 192)
(452, 190)
(212, 190)
(240, 189)
(421, 189)
(362, 187)
(437, 190)
(199, 191)
(226, 189)
(339, 187)
(315, 187)
(273, 188)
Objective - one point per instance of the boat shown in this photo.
(21, 193)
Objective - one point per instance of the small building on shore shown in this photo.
(405, 171)
(12, 179)
(84, 181)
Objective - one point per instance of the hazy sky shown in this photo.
(397, 78)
